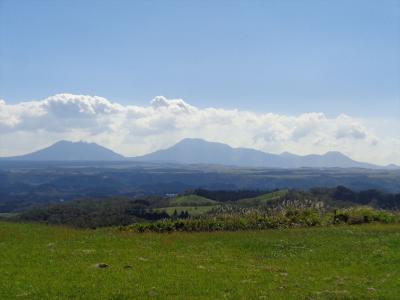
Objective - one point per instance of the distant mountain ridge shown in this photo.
(70, 151)
(198, 151)
(195, 151)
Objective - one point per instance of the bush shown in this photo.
(253, 220)
(364, 214)
(233, 222)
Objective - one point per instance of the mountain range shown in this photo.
(198, 151)
(195, 151)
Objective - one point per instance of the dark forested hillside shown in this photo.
(115, 211)
(26, 184)
(94, 213)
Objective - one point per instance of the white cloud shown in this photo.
(133, 130)
(350, 129)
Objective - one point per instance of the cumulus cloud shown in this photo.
(349, 129)
(134, 130)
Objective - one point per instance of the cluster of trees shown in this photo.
(92, 213)
(369, 197)
(182, 215)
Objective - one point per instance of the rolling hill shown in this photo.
(263, 199)
(191, 200)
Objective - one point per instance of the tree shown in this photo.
(175, 215)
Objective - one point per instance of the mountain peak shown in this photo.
(198, 141)
(334, 153)
(64, 150)
(195, 151)
(81, 142)
(288, 154)
(191, 143)
(199, 151)
(66, 142)
(191, 140)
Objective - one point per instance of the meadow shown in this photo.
(193, 204)
(336, 262)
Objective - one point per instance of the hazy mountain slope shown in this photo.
(70, 151)
(198, 151)
(330, 159)
(194, 151)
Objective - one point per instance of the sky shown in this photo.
(299, 76)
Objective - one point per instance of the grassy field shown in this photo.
(191, 200)
(262, 199)
(195, 205)
(344, 262)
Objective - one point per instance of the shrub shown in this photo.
(253, 220)
(233, 222)
(364, 214)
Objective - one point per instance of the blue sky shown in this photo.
(271, 56)
(289, 75)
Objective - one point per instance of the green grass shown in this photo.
(195, 205)
(344, 262)
(191, 200)
(192, 210)
(263, 199)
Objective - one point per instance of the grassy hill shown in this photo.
(49, 262)
(192, 210)
(195, 205)
(191, 200)
(262, 199)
